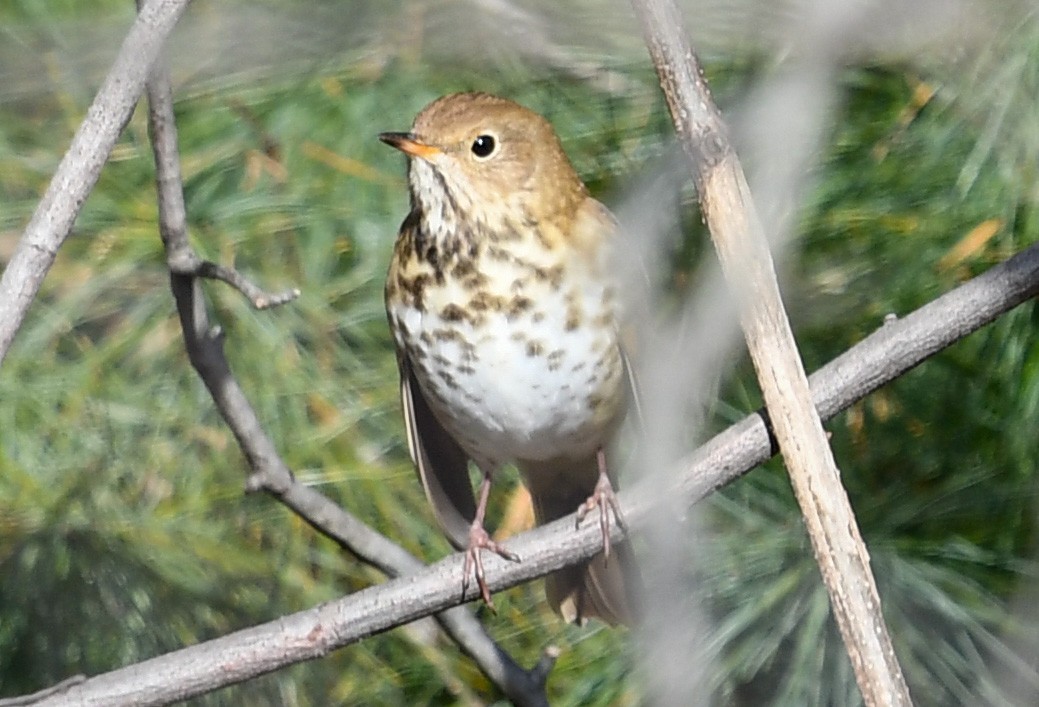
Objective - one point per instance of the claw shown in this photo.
(605, 500)
(480, 540)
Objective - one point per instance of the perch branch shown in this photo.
(895, 348)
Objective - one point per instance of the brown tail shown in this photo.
(598, 588)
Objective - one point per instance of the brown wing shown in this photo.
(443, 468)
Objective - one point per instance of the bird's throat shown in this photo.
(443, 230)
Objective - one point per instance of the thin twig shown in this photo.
(56, 689)
(742, 248)
(269, 472)
(896, 347)
(78, 172)
(191, 265)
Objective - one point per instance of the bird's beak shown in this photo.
(410, 145)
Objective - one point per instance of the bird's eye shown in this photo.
(484, 146)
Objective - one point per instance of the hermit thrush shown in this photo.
(504, 319)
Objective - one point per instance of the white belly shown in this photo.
(520, 385)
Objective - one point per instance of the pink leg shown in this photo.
(602, 496)
(479, 540)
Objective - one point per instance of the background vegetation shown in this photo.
(124, 531)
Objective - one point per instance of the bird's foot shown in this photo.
(480, 540)
(603, 498)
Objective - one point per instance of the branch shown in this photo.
(56, 689)
(528, 33)
(269, 472)
(889, 352)
(898, 346)
(196, 267)
(742, 247)
(77, 174)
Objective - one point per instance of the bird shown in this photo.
(504, 317)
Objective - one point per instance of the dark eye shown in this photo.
(484, 146)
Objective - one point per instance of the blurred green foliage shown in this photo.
(124, 531)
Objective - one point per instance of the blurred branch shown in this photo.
(898, 346)
(204, 345)
(742, 247)
(78, 172)
(528, 33)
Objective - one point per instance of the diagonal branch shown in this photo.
(77, 174)
(898, 346)
(742, 247)
(269, 472)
